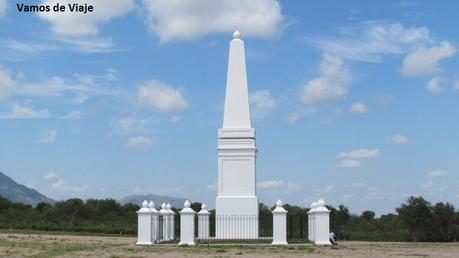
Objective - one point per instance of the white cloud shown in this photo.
(61, 185)
(24, 111)
(186, 20)
(333, 82)
(7, 83)
(427, 185)
(126, 125)
(456, 85)
(212, 187)
(47, 136)
(138, 142)
(293, 117)
(438, 173)
(3, 5)
(161, 97)
(399, 139)
(349, 163)
(270, 184)
(89, 45)
(424, 61)
(358, 108)
(360, 153)
(368, 41)
(79, 24)
(434, 85)
(27, 47)
(51, 176)
(261, 102)
(78, 88)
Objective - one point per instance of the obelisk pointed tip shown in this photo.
(237, 35)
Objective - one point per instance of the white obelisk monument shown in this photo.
(236, 202)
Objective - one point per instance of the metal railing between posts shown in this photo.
(244, 229)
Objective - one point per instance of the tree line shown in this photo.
(415, 220)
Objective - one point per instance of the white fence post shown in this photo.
(154, 222)
(311, 223)
(144, 225)
(279, 225)
(321, 223)
(187, 225)
(171, 221)
(203, 222)
(165, 219)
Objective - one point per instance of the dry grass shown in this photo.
(46, 245)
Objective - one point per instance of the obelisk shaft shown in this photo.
(237, 113)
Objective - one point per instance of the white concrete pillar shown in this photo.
(321, 220)
(144, 225)
(187, 225)
(311, 223)
(165, 219)
(279, 225)
(203, 222)
(154, 222)
(171, 221)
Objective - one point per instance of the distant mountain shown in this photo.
(157, 199)
(15, 192)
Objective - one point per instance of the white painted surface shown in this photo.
(279, 225)
(144, 225)
(236, 114)
(319, 219)
(187, 225)
(166, 222)
(236, 202)
(154, 222)
(203, 222)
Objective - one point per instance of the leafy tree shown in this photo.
(416, 216)
(444, 223)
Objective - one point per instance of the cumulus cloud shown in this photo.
(161, 97)
(47, 136)
(186, 20)
(333, 82)
(61, 185)
(51, 176)
(7, 83)
(3, 4)
(270, 184)
(79, 24)
(278, 185)
(368, 41)
(19, 111)
(424, 61)
(138, 142)
(293, 117)
(212, 187)
(427, 185)
(261, 102)
(399, 139)
(438, 173)
(126, 125)
(456, 85)
(349, 163)
(360, 153)
(435, 85)
(358, 108)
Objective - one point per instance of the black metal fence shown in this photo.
(297, 226)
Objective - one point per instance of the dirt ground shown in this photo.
(46, 245)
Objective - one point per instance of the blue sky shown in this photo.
(356, 102)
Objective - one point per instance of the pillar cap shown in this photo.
(237, 35)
